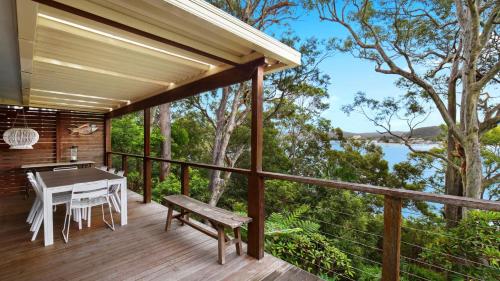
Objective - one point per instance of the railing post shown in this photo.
(184, 186)
(185, 179)
(392, 238)
(146, 161)
(59, 132)
(124, 165)
(107, 143)
(255, 181)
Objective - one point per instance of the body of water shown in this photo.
(395, 152)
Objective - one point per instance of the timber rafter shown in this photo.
(224, 78)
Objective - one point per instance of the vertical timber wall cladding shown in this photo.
(45, 122)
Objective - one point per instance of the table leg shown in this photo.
(123, 205)
(48, 230)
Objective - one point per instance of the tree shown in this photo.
(434, 46)
(165, 120)
(232, 108)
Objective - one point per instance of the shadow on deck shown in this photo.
(142, 250)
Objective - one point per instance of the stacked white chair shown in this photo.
(35, 216)
(84, 196)
(37, 203)
(115, 195)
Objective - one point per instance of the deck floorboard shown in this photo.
(142, 250)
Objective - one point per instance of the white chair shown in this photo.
(84, 196)
(112, 170)
(37, 215)
(65, 168)
(37, 203)
(104, 168)
(114, 195)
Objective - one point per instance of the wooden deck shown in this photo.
(142, 250)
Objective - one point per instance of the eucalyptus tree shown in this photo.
(165, 124)
(446, 54)
(228, 109)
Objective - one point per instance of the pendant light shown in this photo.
(20, 137)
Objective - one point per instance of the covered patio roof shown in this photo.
(99, 56)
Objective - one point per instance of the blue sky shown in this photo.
(348, 76)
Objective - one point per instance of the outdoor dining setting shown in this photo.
(78, 191)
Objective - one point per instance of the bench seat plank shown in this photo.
(218, 215)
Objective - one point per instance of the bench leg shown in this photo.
(237, 237)
(169, 217)
(222, 244)
(184, 215)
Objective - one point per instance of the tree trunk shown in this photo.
(473, 171)
(472, 176)
(453, 186)
(166, 147)
(224, 127)
(453, 181)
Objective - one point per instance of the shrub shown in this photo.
(471, 248)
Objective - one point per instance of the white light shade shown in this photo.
(20, 138)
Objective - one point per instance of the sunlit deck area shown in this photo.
(141, 250)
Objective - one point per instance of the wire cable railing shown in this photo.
(367, 239)
(343, 230)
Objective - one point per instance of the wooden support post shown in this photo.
(107, 143)
(125, 165)
(147, 162)
(256, 182)
(184, 188)
(59, 132)
(392, 238)
(185, 179)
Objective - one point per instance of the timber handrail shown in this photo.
(393, 192)
(191, 164)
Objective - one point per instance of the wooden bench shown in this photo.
(219, 218)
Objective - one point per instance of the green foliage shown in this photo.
(172, 185)
(283, 193)
(490, 153)
(418, 272)
(476, 239)
(127, 134)
(278, 224)
(134, 181)
(310, 251)
(369, 273)
(296, 240)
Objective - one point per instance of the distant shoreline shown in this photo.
(424, 135)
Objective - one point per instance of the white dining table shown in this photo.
(54, 182)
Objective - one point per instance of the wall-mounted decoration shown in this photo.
(85, 129)
(20, 137)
